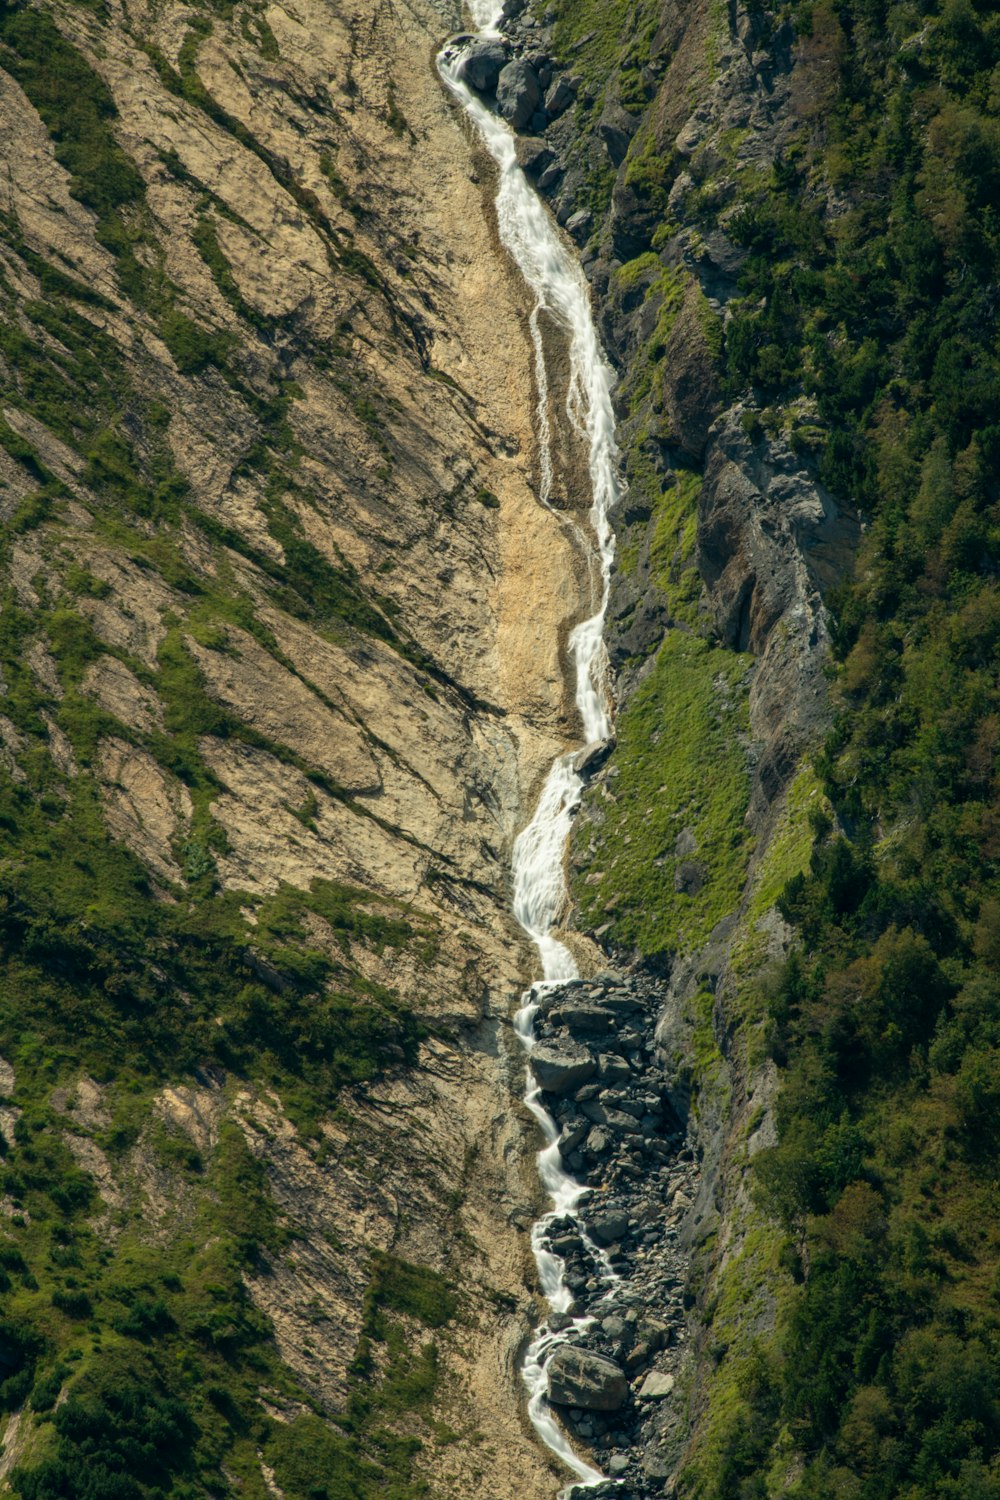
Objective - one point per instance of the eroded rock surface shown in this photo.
(295, 610)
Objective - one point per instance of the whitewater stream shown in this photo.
(559, 288)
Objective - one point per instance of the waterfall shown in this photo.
(560, 291)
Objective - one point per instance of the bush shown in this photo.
(119, 1437)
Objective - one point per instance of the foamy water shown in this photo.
(560, 291)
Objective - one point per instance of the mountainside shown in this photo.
(283, 666)
(788, 220)
(281, 670)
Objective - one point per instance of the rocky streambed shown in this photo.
(617, 1385)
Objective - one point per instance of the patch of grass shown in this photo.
(192, 347)
(78, 110)
(259, 34)
(688, 714)
(633, 271)
(643, 381)
(790, 846)
(207, 243)
(744, 1376)
(673, 534)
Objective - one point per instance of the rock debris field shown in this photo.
(615, 1386)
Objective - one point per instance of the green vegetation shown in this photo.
(144, 1362)
(81, 929)
(127, 1334)
(672, 537)
(871, 337)
(610, 38)
(610, 46)
(853, 1347)
(665, 813)
(78, 110)
(158, 1345)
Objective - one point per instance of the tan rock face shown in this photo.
(324, 624)
(121, 694)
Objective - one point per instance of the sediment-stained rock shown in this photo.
(591, 1381)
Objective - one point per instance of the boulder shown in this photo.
(533, 157)
(622, 1003)
(518, 93)
(656, 1385)
(561, 95)
(616, 128)
(689, 877)
(613, 1069)
(585, 1020)
(573, 1132)
(591, 1381)
(609, 1227)
(592, 757)
(561, 1067)
(691, 396)
(599, 1141)
(579, 224)
(482, 65)
(542, 65)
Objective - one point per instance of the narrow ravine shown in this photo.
(560, 292)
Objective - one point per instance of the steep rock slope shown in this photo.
(280, 652)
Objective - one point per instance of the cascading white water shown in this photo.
(561, 293)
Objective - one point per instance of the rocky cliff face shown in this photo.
(282, 627)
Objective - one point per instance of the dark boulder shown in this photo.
(533, 157)
(580, 224)
(518, 93)
(691, 395)
(561, 95)
(561, 1067)
(608, 1227)
(583, 1020)
(689, 877)
(482, 65)
(616, 129)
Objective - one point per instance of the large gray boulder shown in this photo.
(591, 1381)
(482, 64)
(616, 128)
(533, 157)
(657, 1384)
(609, 1227)
(518, 93)
(561, 1067)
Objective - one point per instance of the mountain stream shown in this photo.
(560, 292)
